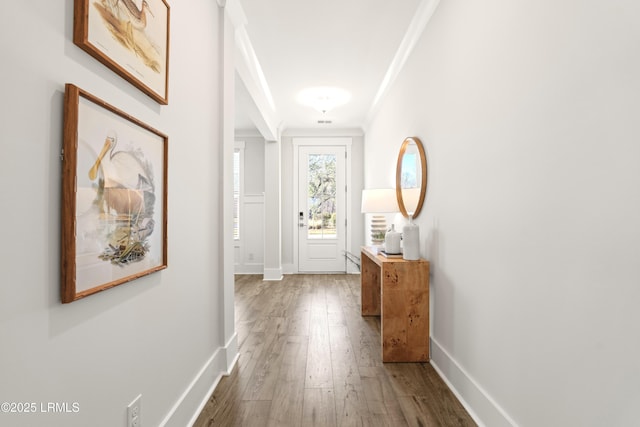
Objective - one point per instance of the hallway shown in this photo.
(307, 358)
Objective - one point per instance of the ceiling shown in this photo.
(300, 44)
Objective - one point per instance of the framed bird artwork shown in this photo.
(114, 197)
(131, 37)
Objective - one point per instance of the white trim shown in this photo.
(480, 405)
(272, 229)
(250, 71)
(248, 133)
(255, 69)
(294, 225)
(234, 11)
(318, 132)
(239, 146)
(348, 193)
(421, 18)
(252, 76)
(192, 400)
(226, 277)
(322, 141)
(254, 199)
(272, 274)
(231, 349)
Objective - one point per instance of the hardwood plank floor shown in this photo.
(308, 358)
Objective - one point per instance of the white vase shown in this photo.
(411, 241)
(392, 241)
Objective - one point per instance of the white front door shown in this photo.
(321, 213)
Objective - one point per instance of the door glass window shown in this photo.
(321, 196)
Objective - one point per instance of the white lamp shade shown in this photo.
(379, 200)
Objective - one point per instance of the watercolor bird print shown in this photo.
(125, 198)
(127, 22)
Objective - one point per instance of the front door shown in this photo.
(321, 209)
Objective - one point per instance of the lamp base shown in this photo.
(378, 229)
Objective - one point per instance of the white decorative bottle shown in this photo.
(411, 241)
(392, 241)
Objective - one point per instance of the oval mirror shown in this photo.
(411, 177)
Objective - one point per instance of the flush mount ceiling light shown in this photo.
(323, 98)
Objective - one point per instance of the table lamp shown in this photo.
(379, 201)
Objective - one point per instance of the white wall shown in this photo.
(529, 114)
(254, 165)
(249, 256)
(161, 335)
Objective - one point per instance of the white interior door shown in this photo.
(321, 210)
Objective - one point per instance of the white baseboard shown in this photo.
(272, 274)
(291, 269)
(231, 353)
(483, 409)
(188, 407)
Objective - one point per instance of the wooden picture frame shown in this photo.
(131, 37)
(114, 197)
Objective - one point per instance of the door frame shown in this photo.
(323, 141)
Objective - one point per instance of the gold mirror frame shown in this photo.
(423, 179)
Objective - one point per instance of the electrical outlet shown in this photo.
(134, 413)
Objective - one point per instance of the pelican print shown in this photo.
(126, 194)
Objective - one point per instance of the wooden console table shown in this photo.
(398, 292)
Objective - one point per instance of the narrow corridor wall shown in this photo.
(528, 111)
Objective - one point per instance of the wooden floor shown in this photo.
(308, 358)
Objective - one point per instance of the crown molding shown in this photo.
(423, 15)
(234, 10)
(316, 132)
(249, 70)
